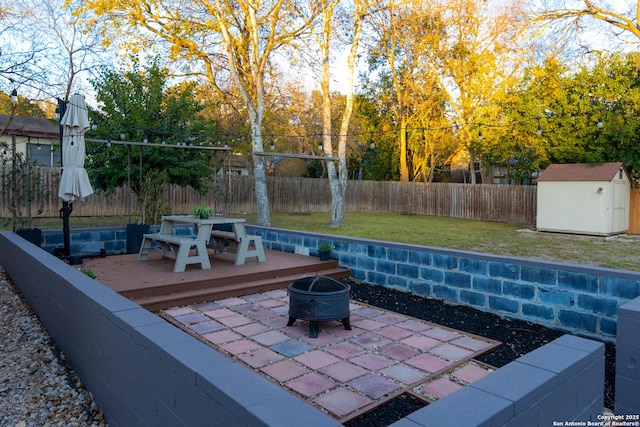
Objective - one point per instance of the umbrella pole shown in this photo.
(65, 213)
(66, 209)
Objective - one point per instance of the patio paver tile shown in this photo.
(219, 312)
(270, 338)
(277, 293)
(371, 341)
(428, 363)
(261, 314)
(311, 384)
(179, 311)
(323, 339)
(404, 374)
(345, 350)
(206, 327)
(316, 359)
(240, 346)
(421, 342)
(275, 322)
(370, 312)
(343, 371)
(346, 334)
(244, 308)
(260, 357)
(451, 352)
(205, 306)
(221, 337)
(470, 373)
(390, 318)
(414, 325)
(368, 324)
(251, 329)
(255, 297)
(371, 362)
(471, 343)
(270, 303)
(192, 318)
(374, 386)
(441, 387)
(394, 333)
(234, 320)
(441, 334)
(231, 302)
(285, 370)
(341, 402)
(291, 348)
(399, 351)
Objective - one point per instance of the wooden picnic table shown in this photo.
(180, 248)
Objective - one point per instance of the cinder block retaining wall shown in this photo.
(141, 370)
(577, 299)
(628, 360)
(144, 371)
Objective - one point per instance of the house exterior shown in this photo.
(584, 199)
(36, 138)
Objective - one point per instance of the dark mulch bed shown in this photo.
(518, 338)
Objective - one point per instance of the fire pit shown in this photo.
(319, 299)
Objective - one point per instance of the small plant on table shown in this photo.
(202, 212)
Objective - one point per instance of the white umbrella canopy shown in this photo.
(74, 183)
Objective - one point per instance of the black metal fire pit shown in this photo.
(319, 299)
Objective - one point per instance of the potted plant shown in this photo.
(202, 212)
(324, 251)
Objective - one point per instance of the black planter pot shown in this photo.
(324, 255)
(33, 235)
(134, 236)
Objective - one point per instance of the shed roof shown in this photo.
(29, 126)
(581, 172)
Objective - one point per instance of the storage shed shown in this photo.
(584, 199)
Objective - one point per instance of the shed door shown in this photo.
(620, 206)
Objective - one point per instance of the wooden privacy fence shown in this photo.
(501, 203)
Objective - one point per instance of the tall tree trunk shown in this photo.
(404, 168)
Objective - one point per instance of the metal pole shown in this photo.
(67, 207)
(14, 184)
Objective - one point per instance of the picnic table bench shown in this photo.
(193, 250)
(177, 247)
(234, 238)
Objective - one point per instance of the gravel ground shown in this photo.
(37, 386)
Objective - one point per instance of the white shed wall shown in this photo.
(579, 206)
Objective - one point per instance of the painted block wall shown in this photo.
(576, 299)
(628, 360)
(143, 371)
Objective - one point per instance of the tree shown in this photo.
(138, 104)
(324, 35)
(224, 40)
(622, 23)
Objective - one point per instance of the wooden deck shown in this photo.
(154, 285)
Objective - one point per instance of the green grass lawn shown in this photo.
(619, 252)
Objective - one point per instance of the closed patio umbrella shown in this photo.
(74, 183)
